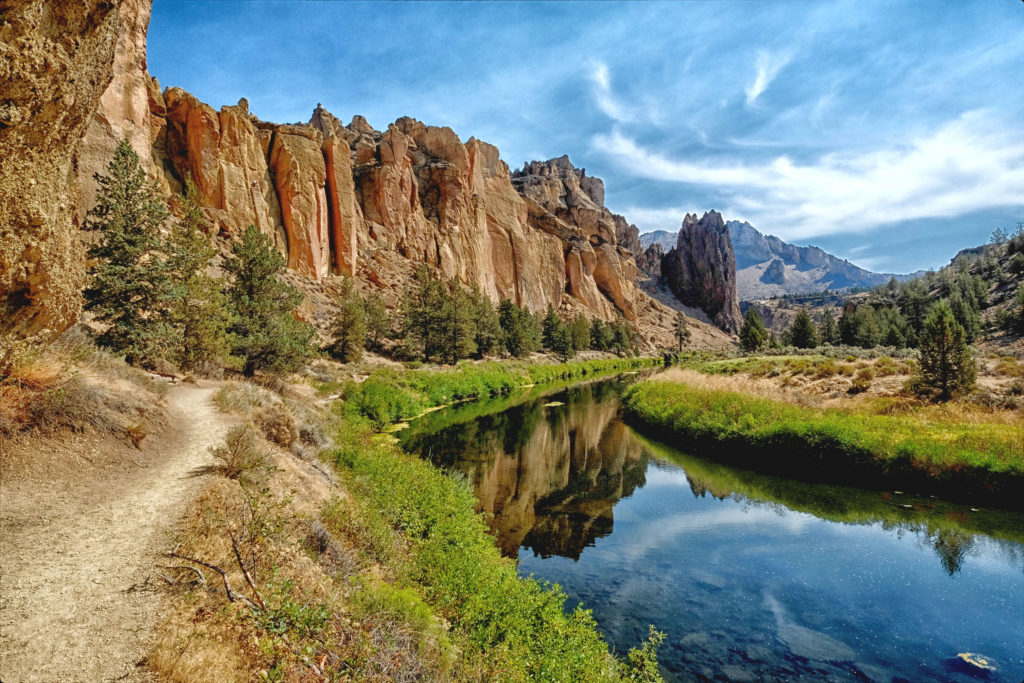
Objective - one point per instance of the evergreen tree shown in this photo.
(549, 326)
(946, 363)
(682, 331)
(622, 337)
(753, 335)
(200, 307)
(774, 343)
(488, 334)
(267, 335)
(561, 342)
(802, 333)
(456, 329)
(966, 315)
(828, 331)
(378, 324)
(519, 328)
(421, 311)
(600, 335)
(579, 332)
(348, 329)
(130, 288)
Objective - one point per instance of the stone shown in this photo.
(300, 175)
(701, 269)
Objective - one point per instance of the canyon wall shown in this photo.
(56, 62)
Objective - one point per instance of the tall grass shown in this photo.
(509, 628)
(389, 395)
(981, 461)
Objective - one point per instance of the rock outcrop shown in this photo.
(56, 62)
(701, 269)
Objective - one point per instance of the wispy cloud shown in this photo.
(608, 103)
(971, 163)
(768, 65)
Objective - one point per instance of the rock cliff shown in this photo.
(337, 199)
(701, 269)
(56, 62)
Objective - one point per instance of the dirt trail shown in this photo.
(78, 559)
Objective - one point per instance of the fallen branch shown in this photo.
(199, 574)
(232, 596)
(245, 572)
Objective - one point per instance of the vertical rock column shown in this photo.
(345, 215)
(300, 174)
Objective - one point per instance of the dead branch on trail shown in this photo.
(200, 576)
(245, 572)
(232, 595)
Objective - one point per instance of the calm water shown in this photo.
(751, 577)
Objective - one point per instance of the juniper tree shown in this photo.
(200, 307)
(600, 335)
(802, 333)
(130, 289)
(828, 331)
(421, 311)
(753, 335)
(348, 329)
(378, 324)
(549, 325)
(487, 326)
(682, 331)
(266, 334)
(579, 332)
(520, 331)
(455, 326)
(561, 342)
(946, 363)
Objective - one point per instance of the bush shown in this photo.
(242, 457)
(277, 424)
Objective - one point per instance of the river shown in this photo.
(750, 577)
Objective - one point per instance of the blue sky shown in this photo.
(888, 133)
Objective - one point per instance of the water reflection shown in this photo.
(752, 577)
(546, 476)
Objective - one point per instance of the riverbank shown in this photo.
(349, 558)
(920, 450)
(389, 395)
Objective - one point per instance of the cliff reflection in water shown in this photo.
(546, 476)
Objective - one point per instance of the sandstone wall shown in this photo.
(56, 62)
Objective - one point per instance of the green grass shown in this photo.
(977, 459)
(420, 525)
(389, 395)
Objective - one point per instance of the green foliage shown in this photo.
(753, 335)
(348, 329)
(561, 342)
(579, 332)
(130, 289)
(600, 335)
(200, 307)
(378, 323)
(966, 315)
(487, 327)
(1017, 264)
(641, 663)
(267, 335)
(802, 333)
(521, 332)
(456, 328)
(516, 628)
(622, 337)
(421, 313)
(946, 363)
(681, 331)
(551, 322)
(890, 443)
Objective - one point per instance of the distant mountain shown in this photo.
(766, 266)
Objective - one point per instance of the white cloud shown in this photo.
(603, 94)
(971, 163)
(768, 67)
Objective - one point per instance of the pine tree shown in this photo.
(421, 312)
(753, 335)
(519, 328)
(130, 289)
(966, 315)
(200, 309)
(802, 333)
(600, 335)
(455, 329)
(579, 332)
(682, 331)
(946, 363)
(828, 331)
(348, 329)
(561, 342)
(487, 326)
(267, 335)
(549, 325)
(622, 337)
(378, 324)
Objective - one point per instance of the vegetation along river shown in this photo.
(751, 577)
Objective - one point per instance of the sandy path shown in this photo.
(78, 599)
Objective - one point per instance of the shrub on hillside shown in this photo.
(277, 424)
(242, 457)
